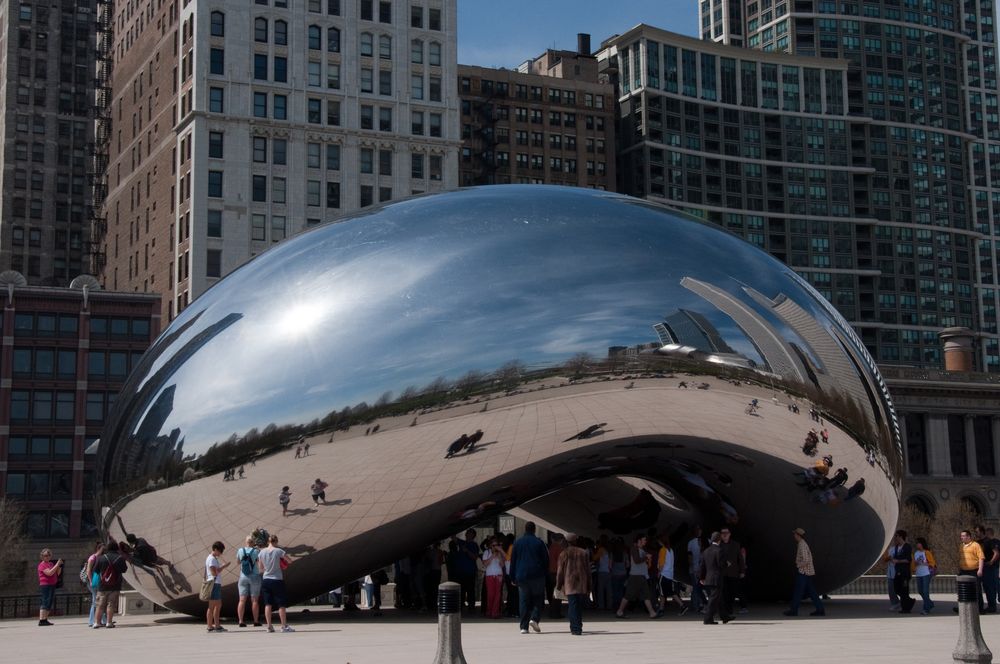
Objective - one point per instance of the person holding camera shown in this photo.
(48, 578)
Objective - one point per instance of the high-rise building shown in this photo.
(70, 351)
(236, 125)
(46, 115)
(860, 180)
(551, 121)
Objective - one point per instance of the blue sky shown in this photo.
(505, 34)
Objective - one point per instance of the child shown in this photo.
(283, 498)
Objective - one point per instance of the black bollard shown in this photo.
(449, 624)
(970, 647)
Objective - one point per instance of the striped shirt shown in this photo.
(804, 559)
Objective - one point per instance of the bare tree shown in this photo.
(579, 363)
(12, 536)
(940, 529)
(509, 375)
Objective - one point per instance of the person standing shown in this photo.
(733, 570)
(529, 562)
(467, 553)
(48, 578)
(283, 499)
(92, 582)
(110, 568)
(318, 490)
(804, 573)
(602, 560)
(669, 587)
(272, 587)
(493, 559)
(249, 583)
(573, 580)
(213, 572)
(902, 558)
(637, 585)
(924, 567)
(694, 569)
(991, 552)
(971, 561)
(711, 562)
(556, 546)
(890, 577)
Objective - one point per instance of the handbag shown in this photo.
(557, 593)
(205, 593)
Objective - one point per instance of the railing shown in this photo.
(26, 606)
(876, 585)
(915, 373)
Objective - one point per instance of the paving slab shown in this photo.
(856, 630)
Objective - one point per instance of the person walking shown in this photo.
(669, 587)
(466, 569)
(602, 561)
(924, 569)
(573, 580)
(890, 577)
(619, 571)
(637, 585)
(92, 582)
(733, 571)
(902, 558)
(804, 573)
(249, 583)
(694, 569)
(711, 561)
(529, 563)
(272, 587)
(318, 490)
(110, 568)
(49, 572)
(991, 552)
(283, 499)
(213, 572)
(556, 546)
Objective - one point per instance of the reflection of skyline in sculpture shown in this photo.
(382, 339)
(774, 352)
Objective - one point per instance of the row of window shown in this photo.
(66, 325)
(366, 11)
(501, 89)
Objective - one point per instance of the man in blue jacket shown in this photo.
(529, 564)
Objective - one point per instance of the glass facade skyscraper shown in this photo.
(857, 141)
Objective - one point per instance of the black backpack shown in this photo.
(110, 576)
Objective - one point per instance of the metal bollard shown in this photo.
(970, 647)
(449, 624)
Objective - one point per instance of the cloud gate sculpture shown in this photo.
(582, 357)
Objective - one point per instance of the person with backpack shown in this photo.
(90, 579)
(283, 498)
(249, 583)
(110, 568)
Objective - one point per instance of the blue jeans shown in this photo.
(990, 584)
(603, 594)
(804, 586)
(617, 590)
(697, 598)
(574, 611)
(924, 588)
(531, 597)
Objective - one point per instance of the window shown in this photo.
(258, 229)
(433, 19)
(278, 189)
(435, 88)
(435, 167)
(416, 52)
(333, 194)
(385, 47)
(416, 16)
(435, 124)
(277, 228)
(333, 40)
(312, 193)
(280, 69)
(313, 151)
(417, 166)
(314, 37)
(314, 109)
(260, 66)
(218, 24)
(281, 33)
(434, 54)
(260, 149)
(215, 144)
(385, 119)
(279, 151)
(333, 112)
(280, 107)
(367, 44)
(366, 10)
(214, 223)
(215, 184)
(366, 157)
(260, 104)
(385, 162)
(417, 86)
(385, 82)
(332, 157)
(217, 61)
(260, 30)
(366, 195)
(259, 189)
(215, 100)
(367, 80)
(385, 12)
(333, 76)
(213, 263)
(417, 123)
(367, 117)
(333, 7)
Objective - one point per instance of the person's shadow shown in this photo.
(339, 501)
(300, 550)
(301, 511)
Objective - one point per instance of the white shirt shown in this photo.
(211, 562)
(494, 564)
(668, 565)
(920, 558)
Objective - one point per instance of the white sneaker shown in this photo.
(286, 628)
(534, 626)
(524, 631)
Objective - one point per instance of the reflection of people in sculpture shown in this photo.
(473, 439)
(241, 472)
(856, 489)
(683, 384)
(592, 430)
(283, 498)
(318, 490)
(457, 446)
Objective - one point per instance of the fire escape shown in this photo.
(486, 156)
(102, 133)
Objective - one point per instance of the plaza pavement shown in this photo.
(856, 630)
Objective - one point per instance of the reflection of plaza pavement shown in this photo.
(855, 630)
(380, 480)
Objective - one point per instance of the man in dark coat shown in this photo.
(711, 563)
(529, 565)
(733, 570)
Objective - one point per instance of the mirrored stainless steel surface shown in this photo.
(581, 356)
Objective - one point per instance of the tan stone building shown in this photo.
(236, 124)
(551, 121)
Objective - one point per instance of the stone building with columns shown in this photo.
(949, 422)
